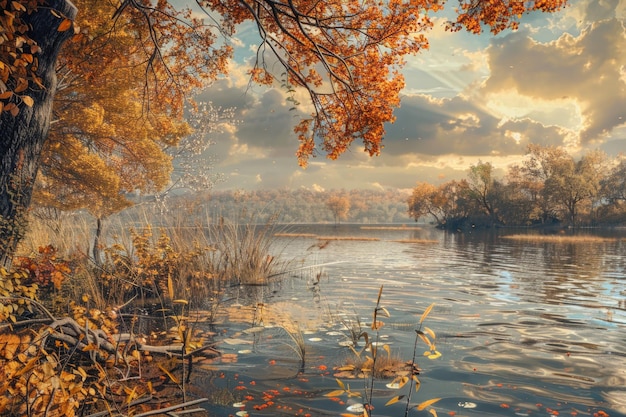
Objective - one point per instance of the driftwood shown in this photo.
(174, 349)
(170, 411)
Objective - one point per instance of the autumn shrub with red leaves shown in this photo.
(44, 269)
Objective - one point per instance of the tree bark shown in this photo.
(22, 137)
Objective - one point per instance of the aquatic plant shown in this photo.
(370, 365)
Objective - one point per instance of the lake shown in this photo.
(525, 328)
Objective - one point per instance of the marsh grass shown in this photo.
(561, 238)
(155, 264)
(387, 366)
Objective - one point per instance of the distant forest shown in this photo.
(288, 206)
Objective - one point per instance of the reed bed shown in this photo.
(561, 238)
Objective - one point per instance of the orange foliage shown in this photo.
(345, 54)
(45, 269)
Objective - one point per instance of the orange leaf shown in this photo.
(65, 25)
(425, 404)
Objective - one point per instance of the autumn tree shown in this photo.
(346, 55)
(449, 204)
(483, 188)
(339, 206)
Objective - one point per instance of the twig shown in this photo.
(172, 408)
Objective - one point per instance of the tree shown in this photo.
(339, 205)
(482, 186)
(347, 55)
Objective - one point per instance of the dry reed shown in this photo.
(561, 238)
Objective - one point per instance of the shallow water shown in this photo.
(524, 328)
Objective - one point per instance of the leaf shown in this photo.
(170, 287)
(387, 349)
(335, 393)
(17, 6)
(394, 400)
(418, 384)
(340, 383)
(434, 355)
(168, 373)
(424, 338)
(433, 412)
(427, 403)
(65, 25)
(430, 332)
(426, 312)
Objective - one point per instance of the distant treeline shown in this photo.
(291, 206)
(549, 187)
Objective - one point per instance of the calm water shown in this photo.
(524, 328)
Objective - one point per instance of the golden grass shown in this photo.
(348, 238)
(416, 241)
(561, 238)
(390, 228)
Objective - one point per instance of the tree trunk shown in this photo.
(22, 137)
(97, 254)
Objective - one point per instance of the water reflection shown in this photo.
(534, 326)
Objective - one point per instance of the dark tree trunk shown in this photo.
(22, 137)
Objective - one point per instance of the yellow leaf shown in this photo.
(335, 393)
(436, 354)
(426, 312)
(181, 301)
(170, 287)
(65, 25)
(168, 373)
(424, 338)
(394, 400)
(427, 403)
(387, 349)
(433, 412)
(340, 383)
(430, 332)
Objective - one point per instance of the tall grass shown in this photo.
(155, 264)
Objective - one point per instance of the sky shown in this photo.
(558, 80)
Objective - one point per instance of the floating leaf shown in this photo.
(335, 393)
(433, 412)
(434, 355)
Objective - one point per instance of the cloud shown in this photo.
(588, 68)
(459, 126)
